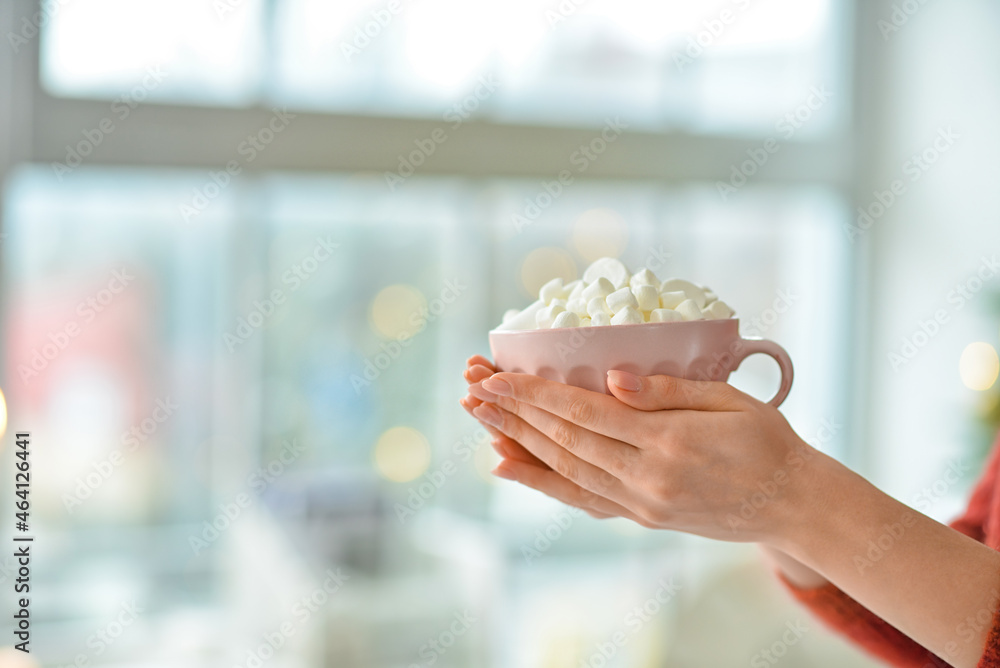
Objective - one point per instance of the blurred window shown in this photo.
(730, 66)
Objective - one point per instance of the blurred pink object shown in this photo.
(582, 356)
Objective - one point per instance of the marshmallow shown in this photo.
(665, 315)
(578, 306)
(717, 310)
(600, 320)
(602, 287)
(609, 268)
(687, 287)
(671, 299)
(551, 290)
(620, 299)
(547, 316)
(628, 316)
(690, 310)
(598, 305)
(609, 295)
(566, 319)
(525, 319)
(646, 296)
(574, 289)
(644, 277)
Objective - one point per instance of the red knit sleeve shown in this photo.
(842, 613)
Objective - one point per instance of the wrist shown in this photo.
(820, 493)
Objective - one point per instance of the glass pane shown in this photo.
(178, 51)
(732, 67)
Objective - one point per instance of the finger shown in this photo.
(479, 392)
(595, 411)
(655, 393)
(508, 448)
(469, 403)
(476, 373)
(482, 361)
(504, 445)
(552, 484)
(617, 458)
(564, 463)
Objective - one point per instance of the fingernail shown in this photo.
(625, 380)
(477, 390)
(498, 386)
(504, 473)
(490, 415)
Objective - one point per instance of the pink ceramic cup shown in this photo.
(582, 356)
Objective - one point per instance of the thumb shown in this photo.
(657, 393)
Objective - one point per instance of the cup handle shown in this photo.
(754, 346)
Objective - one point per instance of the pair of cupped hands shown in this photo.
(664, 452)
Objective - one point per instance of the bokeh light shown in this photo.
(402, 454)
(542, 265)
(392, 311)
(600, 233)
(979, 366)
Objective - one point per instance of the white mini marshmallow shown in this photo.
(717, 310)
(687, 287)
(627, 316)
(574, 289)
(609, 268)
(525, 319)
(644, 277)
(598, 305)
(578, 306)
(608, 294)
(566, 319)
(548, 315)
(646, 296)
(665, 315)
(620, 299)
(602, 287)
(671, 299)
(690, 310)
(551, 290)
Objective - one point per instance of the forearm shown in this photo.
(794, 571)
(934, 584)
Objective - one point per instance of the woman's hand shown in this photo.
(705, 458)
(693, 456)
(479, 368)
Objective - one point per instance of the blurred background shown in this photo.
(247, 246)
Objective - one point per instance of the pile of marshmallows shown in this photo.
(610, 295)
